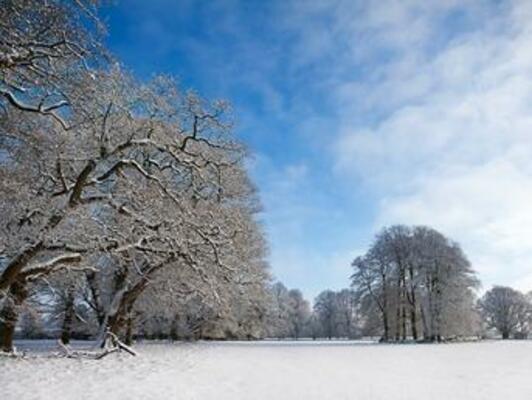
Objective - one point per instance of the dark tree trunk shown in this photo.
(385, 323)
(116, 323)
(403, 305)
(413, 303)
(96, 303)
(505, 335)
(9, 314)
(68, 320)
(174, 327)
(438, 313)
(424, 324)
(386, 335)
(128, 339)
(125, 298)
(122, 318)
(8, 320)
(413, 323)
(129, 330)
(433, 308)
(398, 312)
(7, 331)
(403, 322)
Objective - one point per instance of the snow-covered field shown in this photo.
(280, 370)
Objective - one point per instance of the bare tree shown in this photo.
(507, 310)
(419, 281)
(347, 314)
(371, 282)
(325, 308)
(299, 312)
(279, 313)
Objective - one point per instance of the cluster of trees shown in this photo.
(289, 313)
(334, 314)
(412, 284)
(125, 205)
(416, 284)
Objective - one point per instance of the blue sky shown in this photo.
(362, 114)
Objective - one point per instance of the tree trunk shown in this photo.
(413, 323)
(505, 335)
(386, 324)
(403, 305)
(128, 339)
(433, 309)
(386, 335)
(115, 323)
(8, 320)
(129, 330)
(413, 304)
(398, 312)
(9, 314)
(174, 328)
(96, 303)
(66, 330)
(425, 330)
(14, 285)
(438, 316)
(7, 331)
(120, 313)
(123, 301)
(403, 321)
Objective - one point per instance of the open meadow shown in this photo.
(280, 370)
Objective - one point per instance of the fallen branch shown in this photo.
(121, 345)
(118, 346)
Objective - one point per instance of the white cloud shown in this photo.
(453, 148)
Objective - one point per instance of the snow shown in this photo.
(277, 370)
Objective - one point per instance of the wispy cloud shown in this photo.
(454, 144)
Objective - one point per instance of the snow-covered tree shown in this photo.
(131, 182)
(299, 313)
(44, 44)
(421, 283)
(507, 310)
(325, 308)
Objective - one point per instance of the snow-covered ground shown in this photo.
(279, 370)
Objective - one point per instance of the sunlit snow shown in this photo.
(280, 370)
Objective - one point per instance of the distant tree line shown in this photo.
(413, 284)
(277, 312)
